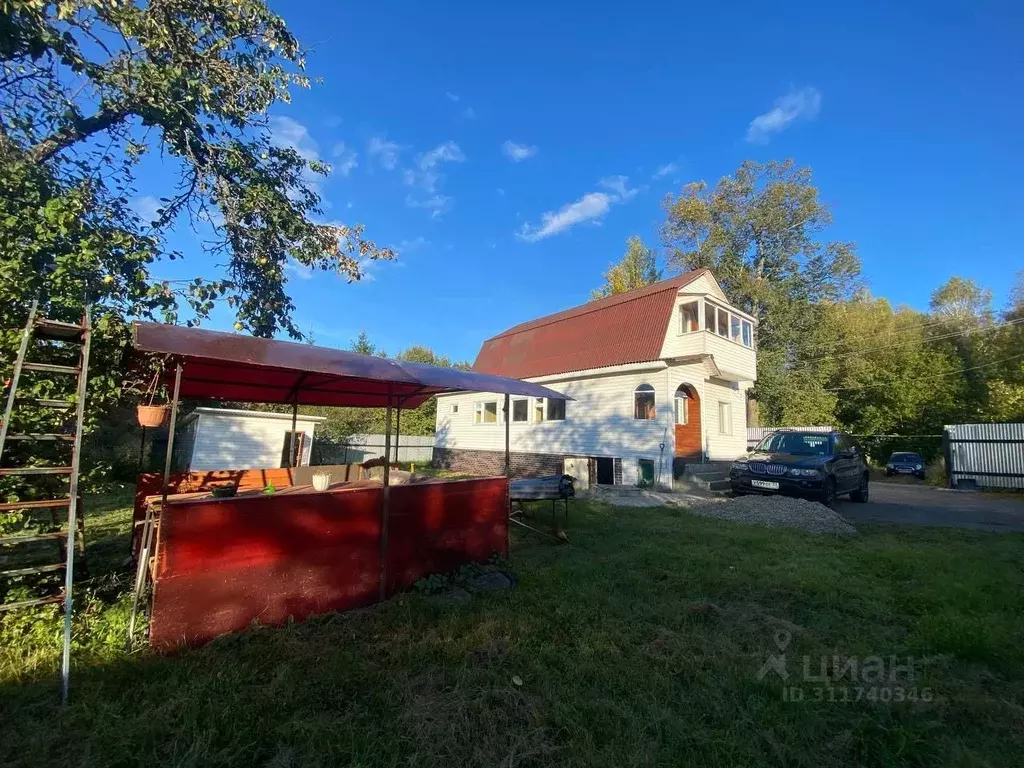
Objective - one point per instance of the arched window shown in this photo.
(643, 402)
(682, 405)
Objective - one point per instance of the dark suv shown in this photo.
(821, 465)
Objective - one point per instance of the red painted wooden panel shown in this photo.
(223, 564)
(152, 483)
(439, 527)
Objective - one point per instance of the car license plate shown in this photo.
(766, 484)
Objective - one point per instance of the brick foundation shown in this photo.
(493, 462)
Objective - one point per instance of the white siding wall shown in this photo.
(599, 422)
(244, 442)
(732, 358)
(718, 447)
(706, 284)
(725, 447)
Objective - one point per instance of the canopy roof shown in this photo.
(227, 366)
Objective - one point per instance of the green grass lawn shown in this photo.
(638, 644)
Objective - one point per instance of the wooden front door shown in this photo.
(686, 413)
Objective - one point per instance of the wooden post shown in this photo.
(508, 476)
(384, 502)
(170, 437)
(150, 521)
(398, 426)
(508, 452)
(293, 460)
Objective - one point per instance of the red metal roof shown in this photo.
(228, 366)
(625, 328)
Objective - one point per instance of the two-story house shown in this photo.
(658, 376)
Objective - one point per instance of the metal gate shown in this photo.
(985, 455)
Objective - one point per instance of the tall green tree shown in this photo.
(963, 321)
(88, 89)
(363, 345)
(760, 231)
(638, 267)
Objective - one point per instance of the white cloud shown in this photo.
(618, 185)
(386, 152)
(428, 177)
(344, 158)
(593, 206)
(449, 152)
(148, 208)
(301, 271)
(288, 133)
(665, 170)
(437, 204)
(518, 152)
(803, 104)
(454, 97)
(411, 245)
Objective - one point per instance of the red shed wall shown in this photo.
(223, 564)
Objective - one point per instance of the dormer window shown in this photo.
(689, 317)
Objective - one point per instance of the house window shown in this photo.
(643, 402)
(734, 328)
(520, 410)
(455, 408)
(486, 413)
(725, 418)
(748, 334)
(682, 407)
(538, 409)
(689, 319)
(709, 316)
(723, 323)
(556, 409)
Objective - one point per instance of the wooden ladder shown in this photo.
(72, 538)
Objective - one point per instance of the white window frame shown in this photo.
(647, 389)
(538, 413)
(512, 407)
(548, 405)
(480, 408)
(744, 326)
(684, 400)
(724, 418)
(454, 408)
(683, 330)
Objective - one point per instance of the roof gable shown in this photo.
(625, 328)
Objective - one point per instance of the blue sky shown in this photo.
(508, 152)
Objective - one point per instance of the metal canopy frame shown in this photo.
(209, 365)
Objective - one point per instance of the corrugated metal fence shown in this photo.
(756, 434)
(358, 448)
(985, 455)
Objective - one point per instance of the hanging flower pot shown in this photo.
(153, 415)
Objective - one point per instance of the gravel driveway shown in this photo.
(925, 505)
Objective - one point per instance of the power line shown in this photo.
(926, 378)
(804, 363)
(859, 337)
